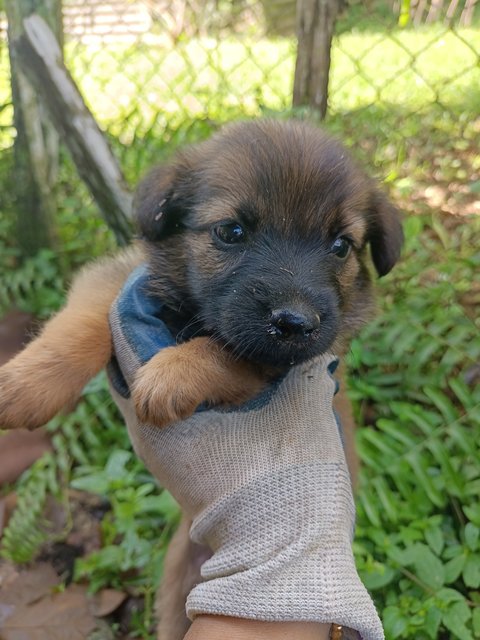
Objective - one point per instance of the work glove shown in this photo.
(266, 485)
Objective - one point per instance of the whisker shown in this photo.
(245, 347)
(197, 318)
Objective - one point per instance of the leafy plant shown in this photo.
(135, 532)
(36, 287)
(419, 521)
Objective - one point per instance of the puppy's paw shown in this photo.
(176, 381)
(164, 392)
(33, 390)
(17, 405)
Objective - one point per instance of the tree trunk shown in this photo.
(315, 24)
(36, 142)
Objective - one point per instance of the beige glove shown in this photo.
(268, 490)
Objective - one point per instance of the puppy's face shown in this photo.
(259, 237)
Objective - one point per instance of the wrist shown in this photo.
(206, 627)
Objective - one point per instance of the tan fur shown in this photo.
(181, 572)
(208, 373)
(343, 408)
(72, 348)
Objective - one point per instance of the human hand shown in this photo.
(267, 488)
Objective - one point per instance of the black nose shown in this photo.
(288, 323)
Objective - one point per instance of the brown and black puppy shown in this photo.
(257, 242)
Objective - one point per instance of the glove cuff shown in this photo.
(282, 552)
(322, 588)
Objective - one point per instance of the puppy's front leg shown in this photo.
(179, 379)
(74, 346)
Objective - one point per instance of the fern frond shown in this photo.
(36, 286)
(27, 529)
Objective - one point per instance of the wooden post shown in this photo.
(40, 58)
(36, 142)
(315, 24)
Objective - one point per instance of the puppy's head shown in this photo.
(260, 236)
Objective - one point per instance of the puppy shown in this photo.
(257, 243)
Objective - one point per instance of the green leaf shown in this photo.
(394, 621)
(418, 466)
(402, 557)
(453, 480)
(471, 533)
(447, 595)
(432, 621)
(386, 498)
(92, 483)
(454, 567)
(441, 231)
(434, 537)
(473, 513)
(464, 440)
(379, 577)
(476, 621)
(370, 509)
(116, 465)
(456, 617)
(471, 571)
(462, 392)
(428, 567)
(442, 403)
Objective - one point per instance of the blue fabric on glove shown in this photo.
(143, 328)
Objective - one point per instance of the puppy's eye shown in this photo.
(341, 247)
(229, 232)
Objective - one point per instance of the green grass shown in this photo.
(406, 68)
(418, 529)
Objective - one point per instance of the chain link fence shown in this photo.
(145, 63)
(153, 68)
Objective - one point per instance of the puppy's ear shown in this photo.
(161, 202)
(385, 233)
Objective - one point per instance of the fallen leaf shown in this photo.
(55, 617)
(106, 601)
(6, 611)
(8, 574)
(29, 586)
(31, 609)
(19, 450)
